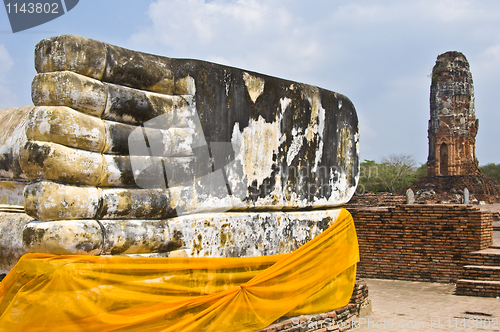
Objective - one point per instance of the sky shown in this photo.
(379, 54)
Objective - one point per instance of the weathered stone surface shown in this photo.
(233, 234)
(11, 192)
(104, 62)
(92, 237)
(65, 126)
(124, 237)
(71, 128)
(173, 141)
(79, 237)
(65, 88)
(453, 125)
(136, 106)
(410, 196)
(12, 139)
(11, 235)
(105, 100)
(74, 53)
(135, 204)
(47, 200)
(44, 160)
(238, 234)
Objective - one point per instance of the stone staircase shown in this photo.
(481, 277)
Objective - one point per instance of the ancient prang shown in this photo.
(453, 125)
(127, 153)
(452, 164)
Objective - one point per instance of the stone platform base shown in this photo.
(337, 320)
(228, 234)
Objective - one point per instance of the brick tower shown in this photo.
(453, 124)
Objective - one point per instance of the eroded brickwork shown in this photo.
(419, 242)
(341, 319)
(453, 125)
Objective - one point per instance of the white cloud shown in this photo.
(489, 61)
(290, 39)
(6, 62)
(184, 23)
(256, 35)
(390, 11)
(366, 128)
(377, 53)
(7, 98)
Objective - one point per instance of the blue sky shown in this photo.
(378, 53)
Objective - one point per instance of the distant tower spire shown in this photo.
(453, 124)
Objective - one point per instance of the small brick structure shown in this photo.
(337, 320)
(420, 242)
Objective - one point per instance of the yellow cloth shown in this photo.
(90, 293)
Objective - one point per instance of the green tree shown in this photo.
(492, 170)
(421, 172)
(394, 173)
(369, 180)
(397, 171)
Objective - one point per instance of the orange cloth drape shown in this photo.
(46, 292)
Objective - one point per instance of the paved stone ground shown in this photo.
(490, 207)
(422, 306)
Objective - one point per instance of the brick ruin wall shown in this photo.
(405, 242)
(419, 242)
(340, 319)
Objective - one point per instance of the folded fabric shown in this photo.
(90, 293)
